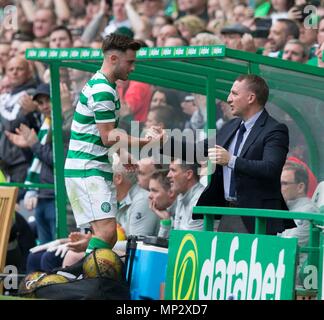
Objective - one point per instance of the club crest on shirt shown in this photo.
(105, 207)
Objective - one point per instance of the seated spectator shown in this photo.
(160, 116)
(134, 214)
(184, 181)
(296, 51)
(294, 185)
(312, 180)
(162, 198)
(145, 168)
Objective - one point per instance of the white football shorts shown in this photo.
(91, 198)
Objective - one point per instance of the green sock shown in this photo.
(97, 243)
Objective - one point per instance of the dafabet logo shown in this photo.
(186, 266)
(209, 266)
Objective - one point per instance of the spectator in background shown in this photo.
(193, 7)
(280, 32)
(176, 41)
(160, 116)
(279, 9)
(158, 98)
(166, 31)
(295, 50)
(60, 37)
(120, 18)
(151, 8)
(15, 108)
(159, 22)
(146, 168)
(205, 39)
(319, 56)
(234, 36)
(294, 185)
(240, 13)
(44, 22)
(184, 181)
(162, 199)
(312, 180)
(133, 213)
(226, 114)
(320, 33)
(41, 170)
(135, 99)
(189, 107)
(212, 7)
(308, 36)
(189, 26)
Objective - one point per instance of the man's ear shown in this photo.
(189, 174)
(251, 98)
(113, 58)
(118, 178)
(302, 188)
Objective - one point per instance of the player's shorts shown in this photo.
(91, 199)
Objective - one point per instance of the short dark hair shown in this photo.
(119, 42)
(164, 114)
(162, 178)
(194, 167)
(63, 28)
(292, 27)
(301, 175)
(257, 85)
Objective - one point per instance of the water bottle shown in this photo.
(165, 227)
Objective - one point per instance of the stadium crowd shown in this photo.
(280, 29)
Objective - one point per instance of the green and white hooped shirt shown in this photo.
(87, 155)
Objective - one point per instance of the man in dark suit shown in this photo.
(249, 156)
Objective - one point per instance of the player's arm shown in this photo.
(111, 135)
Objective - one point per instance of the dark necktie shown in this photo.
(242, 129)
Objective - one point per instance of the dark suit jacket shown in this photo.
(257, 171)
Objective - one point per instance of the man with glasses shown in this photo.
(294, 185)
